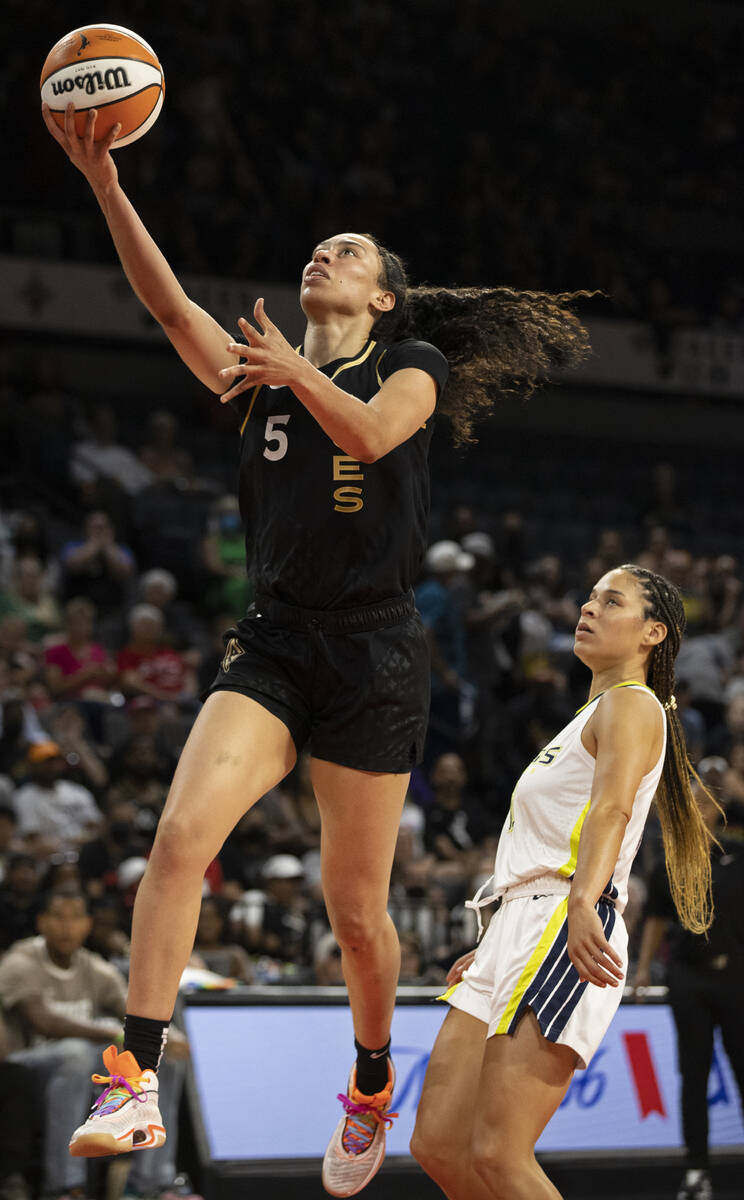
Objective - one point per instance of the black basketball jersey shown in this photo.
(322, 530)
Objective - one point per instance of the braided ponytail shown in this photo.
(687, 840)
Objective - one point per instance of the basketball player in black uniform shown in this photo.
(334, 494)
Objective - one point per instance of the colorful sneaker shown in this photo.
(357, 1148)
(126, 1115)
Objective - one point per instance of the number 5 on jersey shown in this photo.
(276, 435)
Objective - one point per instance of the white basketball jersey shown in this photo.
(549, 804)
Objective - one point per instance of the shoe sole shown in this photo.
(98, 1144)
(373, 1165)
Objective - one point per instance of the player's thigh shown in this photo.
(446, 1110)
(523, 1079)
(360, 814)
(235, 753)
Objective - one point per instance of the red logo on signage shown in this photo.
(644, 1075)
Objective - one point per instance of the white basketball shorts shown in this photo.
(522, 962)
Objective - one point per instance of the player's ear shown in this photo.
(383, 302)
(655, 633)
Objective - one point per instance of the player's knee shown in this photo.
(433, 1154)
(357, 930)
(180, 848)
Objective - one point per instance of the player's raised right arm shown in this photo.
(199, 339)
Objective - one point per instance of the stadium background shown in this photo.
(594, 148)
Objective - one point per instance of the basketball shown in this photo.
(107, 68)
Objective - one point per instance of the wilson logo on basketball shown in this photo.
(92, 82)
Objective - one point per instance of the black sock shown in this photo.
(372, 1068)
(146, 1039)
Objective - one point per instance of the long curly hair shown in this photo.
(687, 840)
(496, 340)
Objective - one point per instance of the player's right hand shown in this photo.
(89, 156)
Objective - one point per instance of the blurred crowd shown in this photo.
(487, 146)
(118, 576)
(104, 657)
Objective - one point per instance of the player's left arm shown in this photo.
(628, 739)
(365, 432)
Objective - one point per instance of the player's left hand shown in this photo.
(269, 358)
(589, 950)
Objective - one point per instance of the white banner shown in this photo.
(628, 354)
(96, 301)
(242, 1056)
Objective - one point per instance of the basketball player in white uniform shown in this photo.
(549, 971)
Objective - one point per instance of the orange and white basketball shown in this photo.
(107, 68)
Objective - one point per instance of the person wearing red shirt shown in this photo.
(149, 667)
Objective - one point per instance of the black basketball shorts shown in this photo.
(351, 684)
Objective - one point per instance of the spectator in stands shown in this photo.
(729, 730)
(211, 948)
(165, 461)
(8, 825)
(76, 666)
(108, 931)
(147, 664)
(19, 731)
(705, 660)
(558, 605)
(654, 554)
(30, 599)
(97, 567)
(30, 535)
(118, 840)
(723, 592)
(19, 899)
(101, 458)
(733, 779)
(19, 664)
(445, 635)
(327, 970)
(67, 728)
(139, 773)
(243, 854)
(54, 814)
(160, 588)
(692, 721)
(446, 831)
(610, 551)
(62, 1003)
(274, 921)
(414, 969)
(223, 556)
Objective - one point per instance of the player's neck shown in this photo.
(609, 677)
(337, 337)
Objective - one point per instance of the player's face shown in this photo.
(613, 627)
(343, 277)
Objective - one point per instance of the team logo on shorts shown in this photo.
(233, 650)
